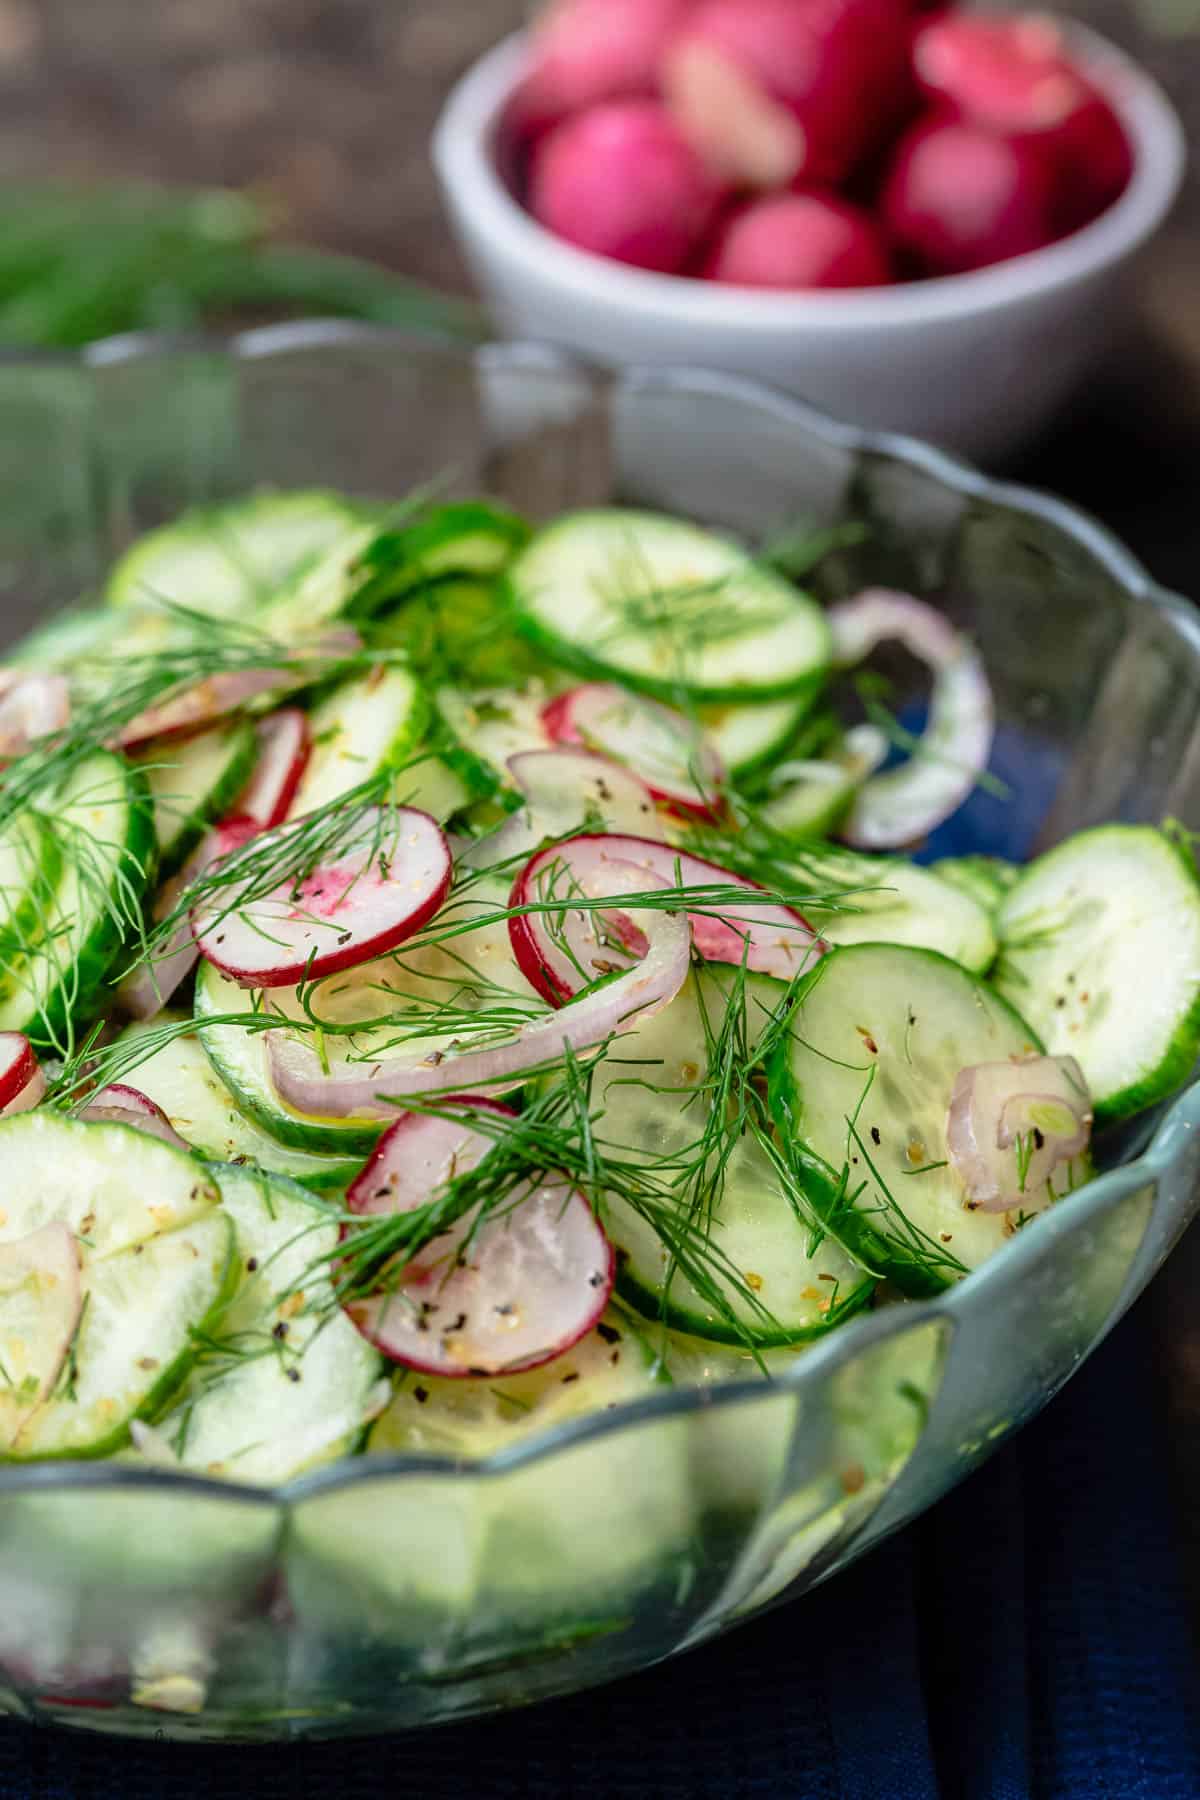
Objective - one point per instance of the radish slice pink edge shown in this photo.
(662, 747)
(902, 805)
(22, 1083)
(283, 751)
(639, 993)
(515, 1293)
(1011, 1125)
(384, 885)
(119, 1104)
(561, 952)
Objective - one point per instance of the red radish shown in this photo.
(639, 993)
(22, 1083)
(283, 751)
(213, 698)
(32, 707)
(41, 1299)
(770, 90)
(560, 952)
(513, 1293)
(958, 198)
(903, 804)
(797, 241)
(666, 750)
(147, 989)
(621, 181)
(382, 887)
(562, 790)
(588, 51)
(1011, 1125)
(1014, 77)
(119, 1104)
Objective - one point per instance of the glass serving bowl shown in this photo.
(400, 1590)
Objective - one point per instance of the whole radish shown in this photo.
(587, 51)
(799, 241)
(621, 181)
(958, 198)
(772, 90)
(1014, 76)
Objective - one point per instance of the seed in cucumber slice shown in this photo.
(666, 607)
(361, 729)
(104, 826)
(285, 1384)
(193, 781)
(1100, 949)
(861, 1089)
(888, 900)
(179, 1078)
(768, 1275)
(225, 560)
(987, 879)
(435, 1416)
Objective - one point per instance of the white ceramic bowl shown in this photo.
(974, 362)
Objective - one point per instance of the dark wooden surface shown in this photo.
(328, 105)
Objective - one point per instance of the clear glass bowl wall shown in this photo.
(398, 1591)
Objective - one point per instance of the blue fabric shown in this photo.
(1027, 1640)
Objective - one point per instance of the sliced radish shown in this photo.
(668, 751)
(419, 1154)
(147, 989)
(22, 1083)
(564, 790)
(224, 693)
(371, 1092)
(560, 952)
(283, 751)
(41, 1299)
(902, 805)
(1011, 1125)
(32, 707)
(119, 1104)
(510, 1295)
(384, 885)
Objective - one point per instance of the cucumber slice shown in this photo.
(104, 827)
(987, 879)
(886, 900)
(321, 590)
(180, 1078)
(460, 631)
(360, 729)
(30, 863)
(861, 1090)
(468, 538)
(194, 781)
(665, 606)
(749, 738)
(69, 638)
(432, 786)
(433, 1416)
(240, 1060)
(654, 1102)
(136, 1338)
(286, 1383)
(489, 725)
(226, 560)
(1100, 948)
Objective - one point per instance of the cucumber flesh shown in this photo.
(861, 1089)
(987, 879)
(432, 786)
(30, 863)
(193, 782)
(886, 900)
(490, 725)
(666, 607)
(749, 738)
(652, 1098)
(436, 1416)
(362, 728)
(467, 538)
(286, 1383)
(1100, 949)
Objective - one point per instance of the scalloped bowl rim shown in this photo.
(463, 154)
(1171, 1137)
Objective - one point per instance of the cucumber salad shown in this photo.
(457, 976)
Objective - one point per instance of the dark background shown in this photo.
(327, 106)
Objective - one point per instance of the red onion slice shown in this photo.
(32, 707)
(905, 804)
(559, 953)
(147, 989)
(283, 751)
(119, 1104)
(22, 1083)
(668, 751)
(640, 992)
(1011, 1125)
(384, 885)
(41, 1299)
